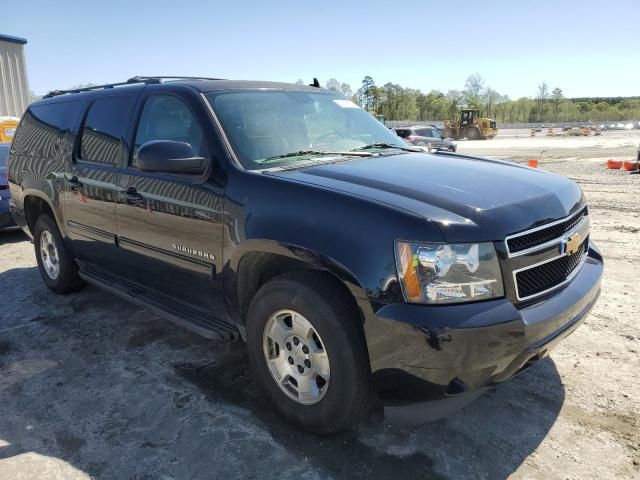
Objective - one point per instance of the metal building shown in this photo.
(14, 86)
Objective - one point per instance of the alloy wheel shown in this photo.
(296, 357)
(49, 255)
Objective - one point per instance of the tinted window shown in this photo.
(424, 132)
(104, 127)
(43, 127)
(403, 132)
(165, 117)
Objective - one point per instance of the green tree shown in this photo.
(345, 89)
(556, 98)
(473, 89)
(332, 84)
(543, 95)
(367, 93)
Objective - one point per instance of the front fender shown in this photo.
(296, 252)
(348, 235)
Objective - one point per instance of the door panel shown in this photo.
(90, 180)
(172, 238)
(170, 227)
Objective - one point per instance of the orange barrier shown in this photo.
(533, 132)
(586, 131)
(614, 164)
(533, 163)
(550, 132)
(631, 166)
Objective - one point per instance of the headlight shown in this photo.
(448, 273)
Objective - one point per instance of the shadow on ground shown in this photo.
(13, 236)
(95, 384)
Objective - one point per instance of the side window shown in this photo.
(43, 127)
(424, 132)
(104, 128)
(165, 117)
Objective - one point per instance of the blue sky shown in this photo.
(588, 48)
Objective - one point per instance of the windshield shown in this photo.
(295, 125)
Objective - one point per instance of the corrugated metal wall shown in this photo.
(14, 86)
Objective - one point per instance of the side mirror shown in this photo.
(167, 156)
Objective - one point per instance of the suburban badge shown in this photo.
(193, 251)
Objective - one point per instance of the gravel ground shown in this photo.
(93, 387)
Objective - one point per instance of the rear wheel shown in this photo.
(57, 267)
(307, 351)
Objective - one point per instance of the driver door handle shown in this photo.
(131, 196)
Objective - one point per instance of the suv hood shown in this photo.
(469, 198)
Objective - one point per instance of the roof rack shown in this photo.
(148, 80)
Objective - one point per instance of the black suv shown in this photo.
(288, 217)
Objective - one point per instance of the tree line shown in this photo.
(546, 106)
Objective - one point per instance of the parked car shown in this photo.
(287, 217)
(425, 135)
(6, 221)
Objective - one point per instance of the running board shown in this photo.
(178, 312)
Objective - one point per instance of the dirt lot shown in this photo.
(93, 387)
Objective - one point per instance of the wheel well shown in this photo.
(33, 208)
(257, 268)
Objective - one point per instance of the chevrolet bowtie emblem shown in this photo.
(572, 244)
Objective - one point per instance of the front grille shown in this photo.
(543, 235)
(548, 275)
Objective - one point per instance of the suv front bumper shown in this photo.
(432, 353)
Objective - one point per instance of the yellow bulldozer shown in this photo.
(470, 125)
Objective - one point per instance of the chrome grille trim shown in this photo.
(549, 243)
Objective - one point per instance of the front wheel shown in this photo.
(307, 351)
(473, 134)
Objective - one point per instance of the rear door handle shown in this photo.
(131, 196)
(74, 183)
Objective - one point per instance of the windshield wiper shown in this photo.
(303, 153)
(386, 145)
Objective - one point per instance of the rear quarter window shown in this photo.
(403, 132)
(44, 127)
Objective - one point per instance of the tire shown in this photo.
(452, 149)
(316, 298)
(59, 271)
(473, 134)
